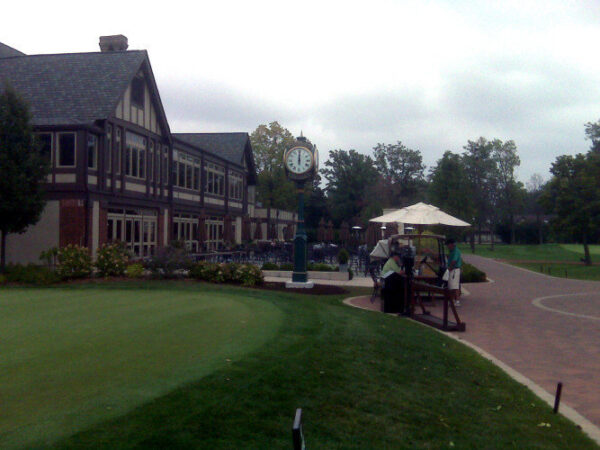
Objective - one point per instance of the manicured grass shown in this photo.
(575, 271)
(74, 357)
(363, 379)
(578, 248)
(545, 252)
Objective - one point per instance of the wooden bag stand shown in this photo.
(417, 287)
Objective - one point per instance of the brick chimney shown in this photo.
(115, 43)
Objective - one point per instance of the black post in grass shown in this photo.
(297, 434)
(557, 397)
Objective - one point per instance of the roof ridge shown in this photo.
(80, 53)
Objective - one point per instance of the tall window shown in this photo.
(165, 168)
(109, 147)
(135, 155)
(214, 232)
(236, 186)
(151, 161)
(92, 151)
(137, 92)
(136, 228)
(215, 179)
(66, 149)
(185, 229)
(45, 142)
(186, 171)
(119, 158)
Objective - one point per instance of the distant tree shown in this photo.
(592, 132)
(402, 170)
(273, 189)
(448, 187)
(23, 169)
(482, 179)
(533, 205)
(573, 194)
(510, 192)
(349, 178)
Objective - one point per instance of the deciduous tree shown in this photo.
(23, 169)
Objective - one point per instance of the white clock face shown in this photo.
(299, 160)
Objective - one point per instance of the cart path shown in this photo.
(546, 328)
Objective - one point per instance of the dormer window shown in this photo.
(137, 92)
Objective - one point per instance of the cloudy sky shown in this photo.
(432, 74)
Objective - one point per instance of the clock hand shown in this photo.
(299, 158)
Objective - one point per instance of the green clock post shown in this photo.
(301, 163)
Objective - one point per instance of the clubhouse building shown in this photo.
(118, 172)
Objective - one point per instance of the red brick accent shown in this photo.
(72, 219)
(102, 227)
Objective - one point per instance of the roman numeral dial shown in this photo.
(299, 160)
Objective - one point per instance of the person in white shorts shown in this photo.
(454, 265)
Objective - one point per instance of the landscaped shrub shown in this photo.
(471, 274)
(74, 262)
(270, 266)
(30, 274)
(244, 274)
(320, 267)
(250, 275)
(50, 257)
(2, 279)
(286, 266)
(169, 261)
(343, 256)
(135, 270)
(112, 259)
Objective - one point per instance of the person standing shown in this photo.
(454, 265)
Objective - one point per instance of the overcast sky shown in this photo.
(432, 74)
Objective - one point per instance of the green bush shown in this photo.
(286, 266)
(135, 270)
(320, 267)
(168, 261)
(50, 256)
(350, 274)
(112, 259)
(74, 262)
(244, 274)
(471, 274)
(343, 256)
(30, 274)
(269, 266)
(2, 279)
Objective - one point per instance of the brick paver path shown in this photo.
(549, 339)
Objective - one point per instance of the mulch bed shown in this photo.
(318, 289)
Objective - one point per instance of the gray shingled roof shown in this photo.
(229, 146)
(6, 51)
(71, 88)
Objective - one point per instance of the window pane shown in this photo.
(181, 174)
(45, 142)
(134, 162)
(196, 178)
(142, 164)
(188, 175)
(66, 145)
(92, 151)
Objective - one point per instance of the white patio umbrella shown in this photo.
(421, 214)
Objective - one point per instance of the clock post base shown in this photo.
(299, 284)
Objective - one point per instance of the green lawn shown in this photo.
(182, 365)
(578, 271)
(544, 252)
(550, 257)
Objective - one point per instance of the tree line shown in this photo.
(477, 185)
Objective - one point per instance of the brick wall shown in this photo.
(72, 219)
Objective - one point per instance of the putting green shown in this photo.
(74, 357)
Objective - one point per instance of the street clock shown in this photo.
(301, 161)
